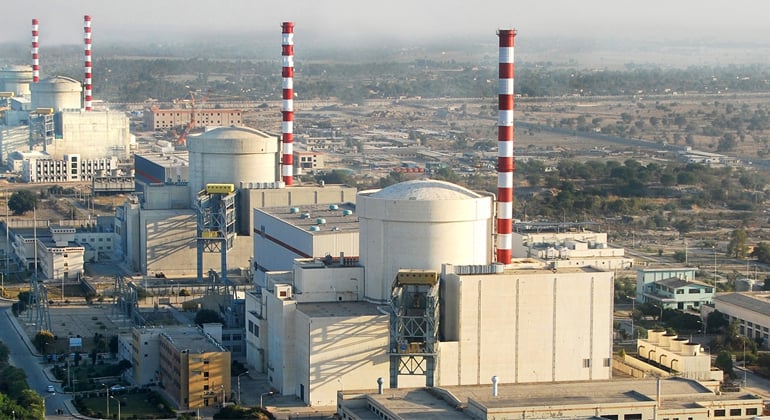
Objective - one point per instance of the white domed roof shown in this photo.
(234, 133)
(61, 80)
(425, 190)
(15, 68)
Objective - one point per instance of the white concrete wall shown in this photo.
(169, 245)
(529, 330)
(328, 284)
(281, 365)
(336, 353)
(93, 135)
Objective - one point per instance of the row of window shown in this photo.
(733, 412)
(607, 362)
(253, 329)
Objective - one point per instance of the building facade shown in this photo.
(194, 368)
(166, 119)
(71, 169)
(751, 311)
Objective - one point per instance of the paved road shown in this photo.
(21, 356)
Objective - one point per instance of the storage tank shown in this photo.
(59, 92)
(231, 155)
(420, 224)
(15, 79)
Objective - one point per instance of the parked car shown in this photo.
(117, 388)
(50, 388)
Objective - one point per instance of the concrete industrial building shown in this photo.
(434, 297)
(751, 311)
(58, 114)
(678, 355)
(673, 398)
(58, 255)
(672, 288)
(190, 365)
(348, 303)
(567, 245)
(72, 168)
(157, 227)
(167, 119)
(284, 233)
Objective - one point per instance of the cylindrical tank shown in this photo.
(420, 224)
(16, 79)
(231, 155)
(59, 92)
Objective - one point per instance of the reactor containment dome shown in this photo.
(15, 79)
(60, 93)
(231, 155)
(420, 224)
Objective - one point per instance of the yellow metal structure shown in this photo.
(220, 188)
(412, 276)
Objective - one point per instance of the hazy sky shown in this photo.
(61, 22)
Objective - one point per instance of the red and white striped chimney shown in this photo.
(287, 106)
(35, 57)
(505, 164)
(87, 81)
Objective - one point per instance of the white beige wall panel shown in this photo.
(93, 135)
(168, 241)
(281, 344)
(345, 353)
(529, 329)
(448, 364)
(335, 242)
(328, 284)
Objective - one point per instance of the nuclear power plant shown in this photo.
(53, 119)
(423, 283)
(433, 295)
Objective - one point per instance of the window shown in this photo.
(205, 374)
(735, 412)
(719, 413)
(680, 291)
(607, 362)
(586, 363)
(694, 291)
(751, 411)
(637, 416)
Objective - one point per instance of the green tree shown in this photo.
(716, 322)
(724, 361)
(205, 316)
(43, 339)
(737, 247)
(762, 253)
(21, 202)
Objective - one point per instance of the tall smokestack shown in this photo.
(287, 107)
(505, 164)
(87, 81)
(35, 57)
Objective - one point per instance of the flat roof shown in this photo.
(334, 309)
(757, 302)
(675, 392)
(306, 216)
(192, 339)
(167, 160)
